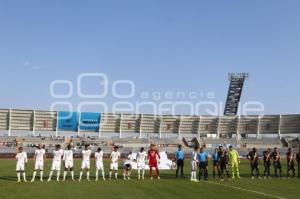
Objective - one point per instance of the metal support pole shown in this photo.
(199, 128)
(180, 123)
(141, 122)
(160, 125)
(78, 124)
(238, 128)
(9, 123)
(33, 123)
(218, 131)
(258, 126)
(120, 133)
(56, 127)
(279, 126)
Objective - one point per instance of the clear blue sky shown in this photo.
(161, 45)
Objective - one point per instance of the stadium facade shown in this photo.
(17, 122)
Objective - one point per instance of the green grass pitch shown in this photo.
(167, 187)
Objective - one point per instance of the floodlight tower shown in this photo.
(234, 92)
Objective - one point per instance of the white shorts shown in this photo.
(141, 165)
(193, 165)
(56, 166)
(85, 165)
(20, 167)
(99, 166)
(69, 164)
(39, 165)
(114, 166)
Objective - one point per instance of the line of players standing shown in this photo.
(67, 155)
(223, 159)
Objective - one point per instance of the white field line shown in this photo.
(247, 190)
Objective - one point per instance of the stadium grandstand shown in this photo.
(28, 128)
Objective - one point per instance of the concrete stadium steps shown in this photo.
(131, 123)
(290, 124)
(269, 124)
(208, 125)
(189, 125)
(17, 122)
(110, 122)
(228, 125)
(150, 123)
(248, 125)
(22, 120)
(170, 124)
(45, 120)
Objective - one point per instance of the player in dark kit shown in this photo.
(267, 163)
(224, 160)
(298, 162)
(290, 157)
(152, 157)
(216, 163)
(277, 163)
(253, 157)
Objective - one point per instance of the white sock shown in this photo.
(124, 175)
(65, 174)
(103, 174)
(33, 176)
(57, 175)
(41, 175)
(192, 175)
(88, 175)
(80, 175)
(72, 174)
(139, 173)
(19, 176)
(97, 174)
(143, 173)
(110, 174)
(116, 174)
(50, 175)
(24, 176)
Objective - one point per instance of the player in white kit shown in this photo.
(39, 158)
(127, 166)
(21, 158)
(194, 163)
(141, 162)
(85, 164)
(68, 162)
(56, 164)
(99, 163)
(114, 162)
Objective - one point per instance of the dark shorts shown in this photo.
(277, 165)
(267, 164)
(255, 165)
(127, 166)
(224, 166)
(291, 166)
(216, 163)
(202, 165)
(180, 162)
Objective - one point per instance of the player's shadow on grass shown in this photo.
(7, 178)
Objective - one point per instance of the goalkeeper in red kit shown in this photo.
(152, 157)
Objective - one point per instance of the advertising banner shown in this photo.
(89, 121)
(67, 121)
